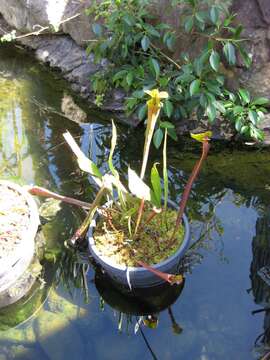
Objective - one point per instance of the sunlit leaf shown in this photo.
(137, 187)
(245, 96)
(85, 164)
(202, 136)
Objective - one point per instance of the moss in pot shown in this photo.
(137, 230)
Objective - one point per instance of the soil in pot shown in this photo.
(14, 220)
(152, 244)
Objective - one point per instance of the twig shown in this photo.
(165, 56)
(44, 28)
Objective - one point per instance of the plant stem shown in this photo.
(40, 191)
(192, 178)
(139, 217)
(170, 278)
(84, 226)
(165, 56)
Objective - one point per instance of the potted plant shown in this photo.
(19, 222)
(137, 234)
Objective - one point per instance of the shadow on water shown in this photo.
(222, 312)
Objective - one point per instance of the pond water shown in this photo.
(221, 312)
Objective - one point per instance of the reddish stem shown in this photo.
(39, 191)
(140, 211)
(192, 178)
(170, 278)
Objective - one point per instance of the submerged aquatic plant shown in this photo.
(137, 222)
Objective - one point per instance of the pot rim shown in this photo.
(183, 247)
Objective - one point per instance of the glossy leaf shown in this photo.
(214, 60)
(253, 116)
(245, 96)
(194, 87)
(229, 52)
(260, 101)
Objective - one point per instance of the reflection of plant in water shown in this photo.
(13, 151)
(71, 269)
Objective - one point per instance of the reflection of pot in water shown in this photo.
(139, 301)
(27, 306)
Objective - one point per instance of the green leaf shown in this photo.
(156, 184)
(129, 20)
(168, 108)
(237, 109)
(214, 14)
(172, 133)
(203, 101)
(166, 125)
(145, 42)
(244, 95)
(260, 101)
(219, 106)
(229, 52)
(247, 59)
(238, 124)
(188, 23)
(211, 112)
(170, 42)
(200, 16)
(142, 112)
(253, 117)
(214, 60)
(158, 137)
(97, 29)
(244, 129)
(154, 65)
(129, 78)
(194, 87)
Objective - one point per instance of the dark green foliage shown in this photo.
(128, 38)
